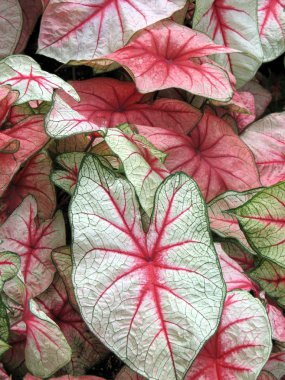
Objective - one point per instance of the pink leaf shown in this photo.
(33, 179)
(233, 273)
(86, 349)
(277, 321)
(213, 155)
(109, 102)
(7, 98)
(266, 139)
(271, 21)
(264, 375)
(240, 347)
(100, 27)
(34, 243)
(245, 119)
(165, 55)
(31, 136)
(262, 97)
(276, 365)
(10, 26)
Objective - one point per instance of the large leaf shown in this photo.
(266, 139)
(108, 102)
(226, 224)
(86, 349)
(263, 221)
(143, 170)
(26, 76)
(232, 23)
(88, 30)
(10, 26)
(213, 155)
(240, 347)
(31, 137)
(34, 243)
(166, 55)
(165, 285)
(271, 22)
(34, 180)
(271, 277)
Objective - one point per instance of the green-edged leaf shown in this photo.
(237, 253)
(9, 266)
(153, 298)
(3, 348)
(4, 323)
(26, 76)
(262, 219)
(225, 224)
(66, 179)
(143, 170)
(271, 277)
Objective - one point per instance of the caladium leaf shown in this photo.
(46, 349)
(213, 155)
(276, 365)
(277, 321)
(33, 179)
(76, 143)
(262, 97)
(242, 257)
(226, 224)
(264, 375)
(63, 121)
(109, 102)
(67, 179)
(165, 55)
(143, 170)
(65, 377)
(26, 76)
(266, 139)
(31, 136)
(34, 243)
(244, 119)
(128, 374)
(86, 349)
(233, 272)
(9, 266)
(262, 219)
(7, 98)
(3, 348)
(100, 27)
(232, 23)
(271, 22)
(242, 344)
(10, 26)
(163, 282)
(271, 277)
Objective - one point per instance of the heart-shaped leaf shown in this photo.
(266, 139)
(262, 219)
(34, 243)
(240, 347)
(213, 155)
(169, 55)
(100, 27)
(166, 284)
(26, 76)
(232, 23)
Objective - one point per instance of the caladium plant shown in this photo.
(142, 156)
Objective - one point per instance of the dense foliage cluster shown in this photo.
(142, 203)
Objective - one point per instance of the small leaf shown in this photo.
(262, 219)
(26, 76)
(167, 284)
(276, 365)
(9, 266)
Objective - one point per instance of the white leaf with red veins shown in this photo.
(266, 139)
(63, 121)
(46, 349)
(33, 242)
(239, 255)
(166, 284)
(10, 26)
(226, 224)
(108, 102)
(86, 349)
(233, 273)
(143, 170)
(232, 23)
(213, 155)
(169, 55)
(33, 179)
(271, 22)
(9, 266)
(241, 345)
(276, 365)
(26, 76)
(89, 29)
